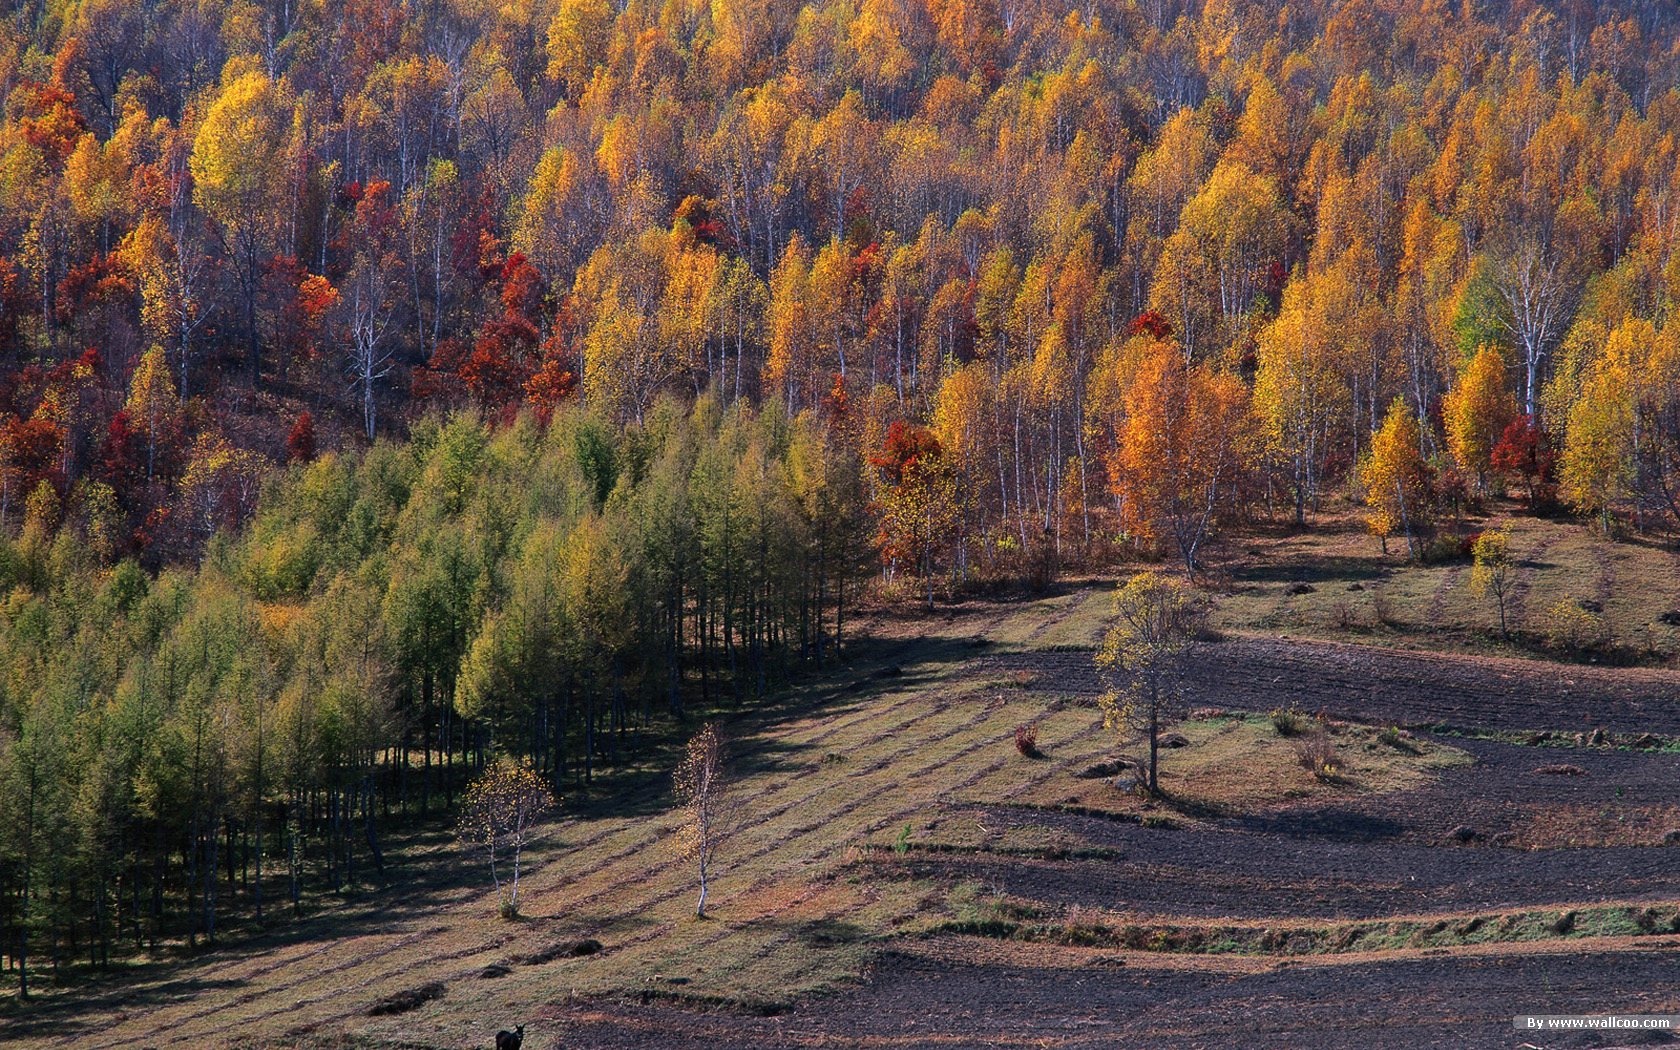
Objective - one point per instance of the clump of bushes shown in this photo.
(1318, 755)
(1026, 740)
(1574, 627)
(1293, 722)
(1448, 548)
(1398, 739)
(1382, 606)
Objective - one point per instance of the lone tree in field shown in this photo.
(499, 816)
(1145, 654)
(703, 793)
(1493, 572)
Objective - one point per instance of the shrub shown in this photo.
(1382, 606)
(1571, 627)
(901, 844)
(1104, 770)
(1292, 722)
(559, 950)
(1398, 739)
(1445, 549)
(1026, 740)
(1318, 756)
(406, 1000)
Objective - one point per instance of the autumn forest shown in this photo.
(386, 385)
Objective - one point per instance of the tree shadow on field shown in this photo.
(1190, 806)
(768, 757)
(1341, 825)
(1314, 569)
(425, 875)
(876, 665)
(71, 1015)
(875, 669)
(830, 933)
(872, 669)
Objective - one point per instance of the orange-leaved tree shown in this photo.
(917, 501)
(1178, 455)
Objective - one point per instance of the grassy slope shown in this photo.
(1635, 580)
(904, 737)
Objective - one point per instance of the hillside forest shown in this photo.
(388, 385)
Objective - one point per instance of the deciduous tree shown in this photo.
(1396, 478)
(1476, 413)
(1145, 655)
(1179, 454)
(500, 814)
(707, 802)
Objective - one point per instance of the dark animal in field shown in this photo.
(506, 1040)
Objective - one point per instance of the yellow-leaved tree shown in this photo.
(702, 790)
(1494, 572)
(236, 163)
(499, 815)
(1476, 412)
(578, 40)
(1396, 478)
(1596, 466)
(1299, 394)
(152, 407)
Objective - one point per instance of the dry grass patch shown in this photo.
(1094, 928)
(1358, 594)
(1240, 764)
(1581, 825)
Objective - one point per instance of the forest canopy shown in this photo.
(225, 224)
(390, 620)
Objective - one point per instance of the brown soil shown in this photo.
(1398, 687)
(1084, 999)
